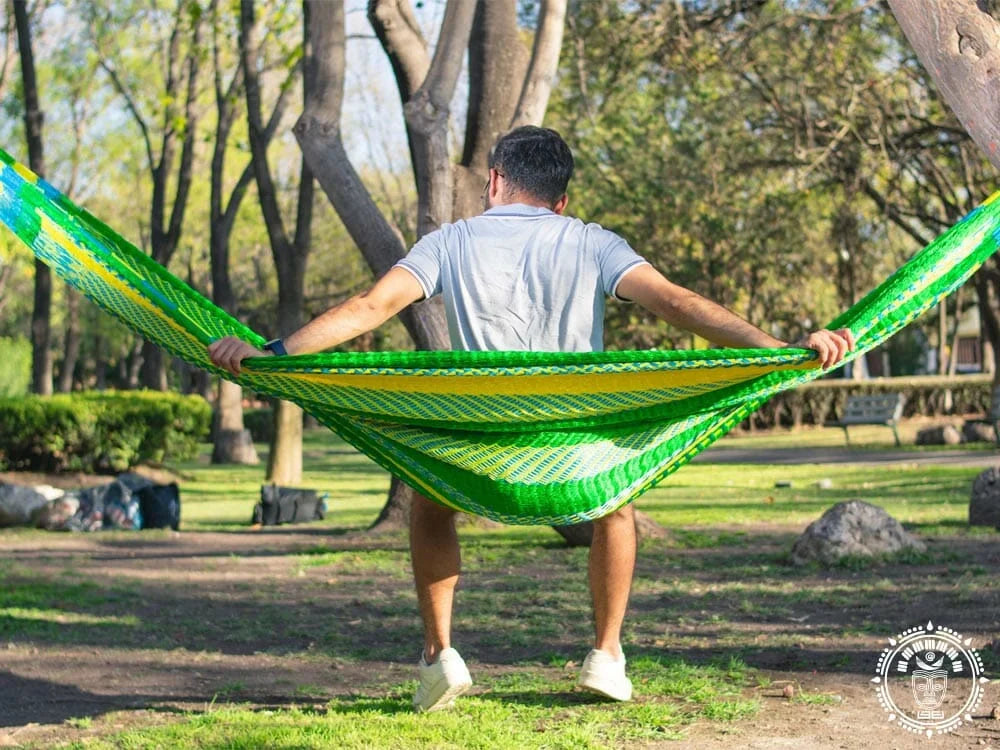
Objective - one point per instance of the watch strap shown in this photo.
(277, 347)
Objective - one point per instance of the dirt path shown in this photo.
(170, 622)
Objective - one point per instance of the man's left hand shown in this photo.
(830, 345)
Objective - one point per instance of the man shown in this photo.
(521, 276)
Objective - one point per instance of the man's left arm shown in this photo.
(690, 311)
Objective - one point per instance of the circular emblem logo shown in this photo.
(929, 680)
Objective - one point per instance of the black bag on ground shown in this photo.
(280, 505)
(161, 506)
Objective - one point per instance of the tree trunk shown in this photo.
(71, 342)
(100, 362)
(232, 441)
(958, 42)
(284, 462)
(153, 371)
(395, 514)
(289, 254)
(497, 56)
(41, 315)
(582, 534)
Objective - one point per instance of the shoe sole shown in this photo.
(604, 694)
(446, 699)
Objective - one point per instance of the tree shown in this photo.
(233, 443)
(425, 86)
(956, 40)
(41, 317)
(165, 111)
(290, 253)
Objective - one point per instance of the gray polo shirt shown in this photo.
(522, 278)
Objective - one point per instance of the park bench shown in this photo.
(884, 409)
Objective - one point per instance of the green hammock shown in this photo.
(518, 437)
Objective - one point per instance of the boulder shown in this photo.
(945, 434)
(984, 505)
(852, 529)
(977, 432)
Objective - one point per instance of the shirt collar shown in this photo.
(519, 209)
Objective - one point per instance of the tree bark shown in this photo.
(958, 41)
(41, 314)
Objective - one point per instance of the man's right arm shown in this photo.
(690, 311)
(359, 314)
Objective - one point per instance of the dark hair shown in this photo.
(535, 160)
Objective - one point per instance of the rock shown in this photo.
(984, 505)
(852, 529)
(941, 435)
(977, 432)
(824, 484)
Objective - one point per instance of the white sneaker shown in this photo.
(604, 675)
(441, 682)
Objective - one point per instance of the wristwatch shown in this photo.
(276, 347)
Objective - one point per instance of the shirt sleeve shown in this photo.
(424, 262)
(616, 258)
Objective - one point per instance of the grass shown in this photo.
(715, 608)
(514, 711)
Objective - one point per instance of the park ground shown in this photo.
(225, 637)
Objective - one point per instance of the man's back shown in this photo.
(522, 278)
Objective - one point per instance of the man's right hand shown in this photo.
(229, 353)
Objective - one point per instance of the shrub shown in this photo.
(100, 432)
(15, 375)
(260, 422)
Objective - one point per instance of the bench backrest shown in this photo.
(873, 409)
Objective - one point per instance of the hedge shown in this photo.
(105, 432)
(926, 395)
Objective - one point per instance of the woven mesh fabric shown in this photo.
(518, 437)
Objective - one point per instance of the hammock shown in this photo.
(518, 437)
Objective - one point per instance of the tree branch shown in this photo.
(427, 114)
(543, 66)
(318, 134)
